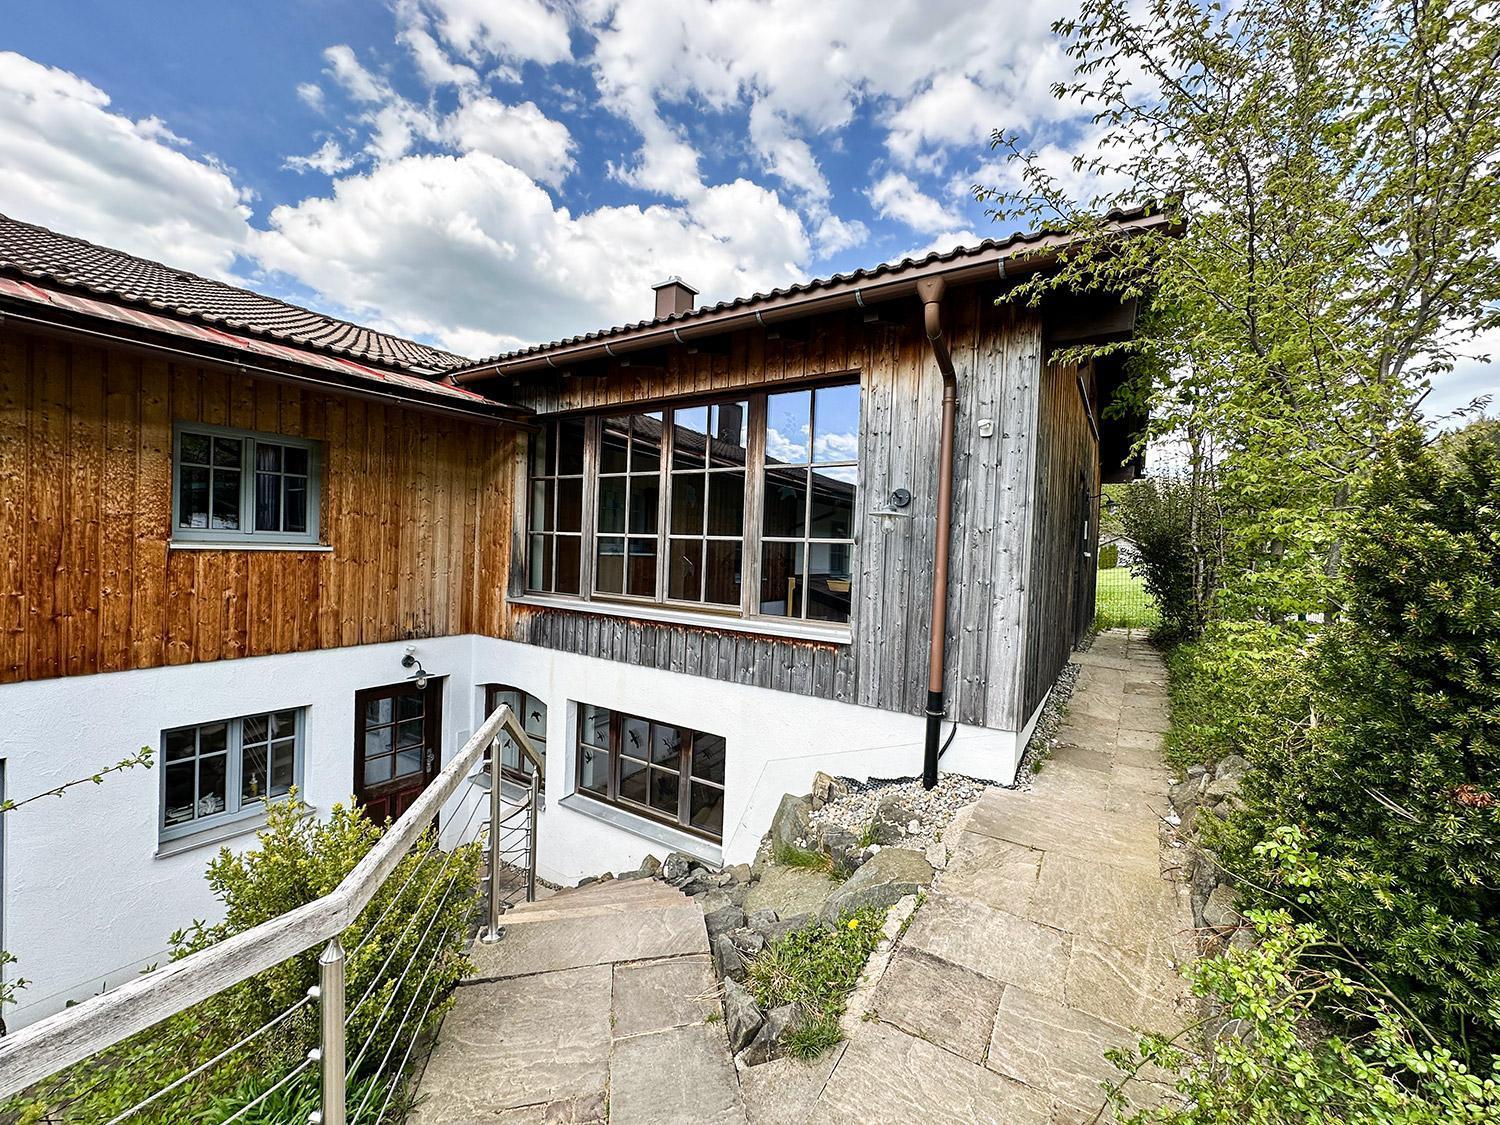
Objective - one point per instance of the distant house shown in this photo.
(698, 554)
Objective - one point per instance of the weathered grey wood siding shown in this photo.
(997, 352)
(1060, 595)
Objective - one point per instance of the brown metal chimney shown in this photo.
(673, 296)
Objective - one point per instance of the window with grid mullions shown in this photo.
(556, 508)
(663, 770)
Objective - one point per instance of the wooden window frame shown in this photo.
(682, 820)
(751, 542)
(552, 474)
(246, 534)
(491, 701)
(235, 806)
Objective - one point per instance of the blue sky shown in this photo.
(488, 173)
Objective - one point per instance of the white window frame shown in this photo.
(235, 808)
(246, 535)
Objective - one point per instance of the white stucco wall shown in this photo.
(88, 902)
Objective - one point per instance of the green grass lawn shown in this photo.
(1122, 602)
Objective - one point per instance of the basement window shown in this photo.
(532, 713)
(236, 487)
(739, 506)
(216, 772)
(660, 770)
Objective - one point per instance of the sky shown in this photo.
(485, 174)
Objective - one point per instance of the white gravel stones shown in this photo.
(930, 811)
(1044, 735)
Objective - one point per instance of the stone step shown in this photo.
(590, 935)
(637, 892)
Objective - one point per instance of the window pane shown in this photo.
(664, 792)
(595, 725)
(255, 728)
(378, 710)
(194, 449)
(267, 502)
(294, 511)
(666, 745)
(687, 504)
(378, 769)
(641, 580)
(213, 773)
(611, 505)
(568, 576)
(534, 718)
(570, 505)
(379, 741)
(283, 768)
(267, 457)
(633, 776)
(570, 446)
(832, 508)
(721, 571)
(192, 498)
(213, 738)
(781, 580)
(595, 771)
(685, 570)
(539, 576)
(609, 565)
(294, 460)
(645, 492)
(228, 452)
(635, 737)
(689, 437)
(726, 503)
(253, 766)
(505, 697)
(179, 793)
(786, 502)
(645, 447)
(787, 428)
(828, 582)
(226, 500)
(541, 444)
(707, 810)
(411, 705)
(708, 757)
(837, 421)
(613, 445)
(181, 744)
(284, 724)
(729, 422)
(541, 505)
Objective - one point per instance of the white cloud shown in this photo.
(835, 234)
(507, 30)
(944, 242)
(521, 135)
(1476, 375)
(328, 159)
(784, 155)
(436, 68)
(896, 196)
(349, 72)
(68, 162)
(311, 95)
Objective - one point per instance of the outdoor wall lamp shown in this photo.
(410, 661)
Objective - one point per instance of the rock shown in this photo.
(742, 1016)
(891, 818)
(729, 962)
(784, 926)
(770, 1041)
(1218, 789)
(937, 855)
(1219, 912)
(1186, 793)
(790, 890)
(740, 873)
(761, 919)
(737, 893)
(913, 827)
(649, 867)
(826, 788)
(709, 901)
(1231, 767)
(722, 921)
(888, 876)
(749, 942)
(676, 868)
(841, 846)
(792, 820)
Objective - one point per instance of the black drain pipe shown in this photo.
(930, 290)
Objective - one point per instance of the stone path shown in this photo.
(1051, 935)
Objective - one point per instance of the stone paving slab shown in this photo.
(996, 873)
(944, 1004)
(682, 1076)
(783, 1091)
(1054, 1048)
(571, 942)
(887, 1077)
(661, 995)
(1138, 988)
(1124, 906)
(991, 943)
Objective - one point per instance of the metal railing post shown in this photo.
(492, 931)
(531, 837)
(331, 1038)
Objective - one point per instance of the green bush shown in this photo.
(420, 915)
(1109, 556)
(1175, 538)
(1397, 783)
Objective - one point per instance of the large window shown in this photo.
(736, 506)
(661, 770)
(532, 713)
(234, 487)
(215, 771)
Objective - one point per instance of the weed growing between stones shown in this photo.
(789, 855)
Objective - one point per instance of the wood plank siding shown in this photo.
(997, 353)
(417, 508)
(1064, 537)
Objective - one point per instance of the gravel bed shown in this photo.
(1044, 735)
(931, 809)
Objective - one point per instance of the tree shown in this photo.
(1332, 164)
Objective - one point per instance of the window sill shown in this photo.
(649, 829)
(763, 627)
(239, 825)
(220, 545)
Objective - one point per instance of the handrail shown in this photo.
(59, 1041)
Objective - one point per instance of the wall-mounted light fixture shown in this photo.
(410, 661)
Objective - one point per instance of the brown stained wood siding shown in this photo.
(997, 352)
(1066, 490)
(417, 507)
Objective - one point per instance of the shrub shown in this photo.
(1177, 547)
(1109, 556)
(419, 916)
(1397, 786)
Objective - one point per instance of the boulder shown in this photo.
(761, 918)
(891, 818)
(790, 890)
(826, 788)
(784, 926)
(676, 868)
(1231, 767)
(649, 867)
(841, 846)
(890, 875)
(1185, 794)
(770, 1041)
(709, 901)
(1219, 912)
(749, 942)
(729, 962)
(722, 921)
(740, 873)
(742, 1016)
(736, 893)
(792, 820)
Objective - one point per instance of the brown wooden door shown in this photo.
(398, 733)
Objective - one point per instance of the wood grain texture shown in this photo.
(416, 506)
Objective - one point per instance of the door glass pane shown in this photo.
(708, 757)
(570, 505)
(721, 571)
(179, 793)
(787, 428)
(534, 718)
(837, 414)
(645, 444)
(377, 769)
(379, 741)
(409, 733)
(690, 437)
(408, 762)
(781, 580)
(613, 445)
(609, 565)
(706, 813)
(378, 710)
(506, 697)
(786, 502)
(729, 423)
(540, 448)
(685, 569)
(641, 581)
(570, 446)
(410, 705)
(726, 503)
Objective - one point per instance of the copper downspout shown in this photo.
(930, 290)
